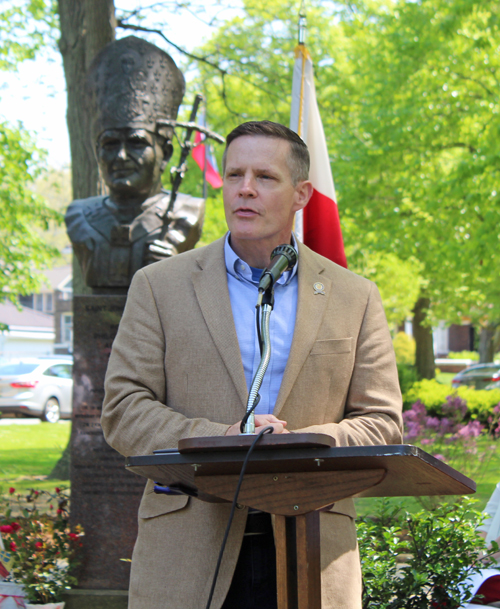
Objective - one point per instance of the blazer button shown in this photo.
(239, 506)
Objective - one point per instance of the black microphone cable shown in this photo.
(249, 412)
(233, 507)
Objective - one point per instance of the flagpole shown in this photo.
(205, 144)
(298, 221)
(317, 225)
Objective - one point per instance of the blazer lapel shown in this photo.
(210, 285)
(311, 307)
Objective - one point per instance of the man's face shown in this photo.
(131, 161)
(260, 199)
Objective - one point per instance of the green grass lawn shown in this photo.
(445, 377)
(486, 478)
(29, 452)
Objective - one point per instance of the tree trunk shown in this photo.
(86, 27)
(487, 343)
(424, 355)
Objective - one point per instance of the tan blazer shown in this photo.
(175, 371)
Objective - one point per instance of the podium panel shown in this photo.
(293, 478)
(409, 471)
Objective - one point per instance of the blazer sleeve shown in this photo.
(373, 407)
(135, 418)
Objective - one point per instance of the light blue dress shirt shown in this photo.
(243, 283)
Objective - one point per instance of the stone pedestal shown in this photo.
(104, 497)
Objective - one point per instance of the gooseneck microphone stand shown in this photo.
(248, 422)
(283, 258)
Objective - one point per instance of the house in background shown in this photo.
(44, 326)
(31, 333)
(446, 338)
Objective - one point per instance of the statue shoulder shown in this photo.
(82, 216)
(85, 206)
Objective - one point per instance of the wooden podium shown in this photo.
(294, 476)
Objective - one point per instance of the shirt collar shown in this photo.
(240, 269)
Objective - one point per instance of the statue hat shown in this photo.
(132, 83)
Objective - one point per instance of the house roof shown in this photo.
(56, 277)
(29, 318)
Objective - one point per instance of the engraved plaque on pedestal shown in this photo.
(105, 497)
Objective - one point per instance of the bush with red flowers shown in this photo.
(45, 548)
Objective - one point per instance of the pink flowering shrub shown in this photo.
(434, 395)
(453, 437)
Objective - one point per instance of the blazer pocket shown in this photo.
(153, 505)
(332, 346)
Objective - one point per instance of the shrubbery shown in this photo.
(43, 546)
(472, 355)
(452, 438)
(404, 348)
(407, 377)
(434, 395)
(438, 551)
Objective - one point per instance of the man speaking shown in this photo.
(183, 361)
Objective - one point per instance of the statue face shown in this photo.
(131, 162)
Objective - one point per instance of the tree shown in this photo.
(407, 96)
(253, 79)
(416, 110)
(23, 214)
(86, 27)
(54, 186)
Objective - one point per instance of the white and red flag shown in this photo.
(205, 159)
(318, 225)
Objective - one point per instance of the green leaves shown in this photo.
(420, 560)
(408, 94)
(22, 248)
(44, 547)
(25, 27)
(416, 154)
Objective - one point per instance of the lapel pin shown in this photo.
(319, 288)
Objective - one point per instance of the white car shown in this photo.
(41, 387)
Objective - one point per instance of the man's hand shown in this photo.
(261, 421)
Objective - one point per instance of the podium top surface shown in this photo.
(409, 470)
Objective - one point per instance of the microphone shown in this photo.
(283, 258)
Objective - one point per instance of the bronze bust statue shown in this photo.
(132, 85)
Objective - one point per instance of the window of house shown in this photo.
(26, 301)
(67, 328)
(49, 303)
(38, 302)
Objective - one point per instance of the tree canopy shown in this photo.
(407, 94)
(23, 249)
(408, 97)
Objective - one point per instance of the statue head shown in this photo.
(132, 85)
